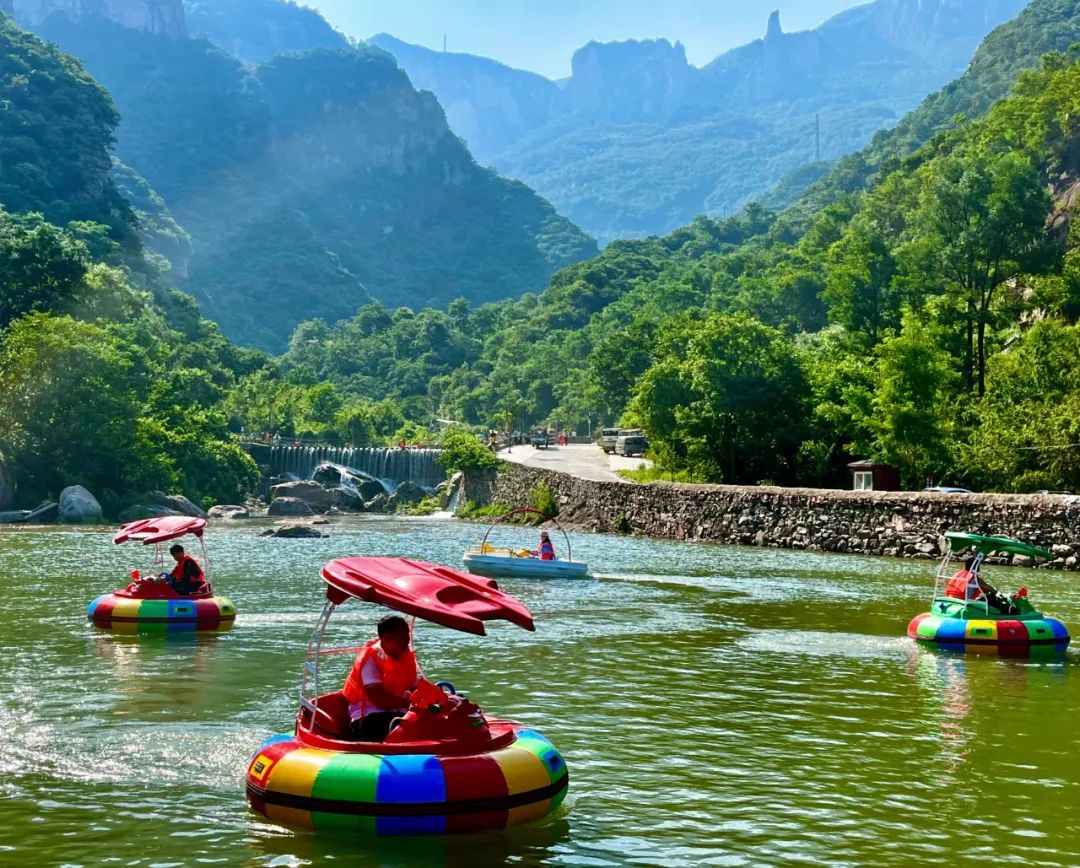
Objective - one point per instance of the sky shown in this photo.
(542, 35)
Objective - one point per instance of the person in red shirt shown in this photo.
(382, 676)
(187, 576)
(546, 551)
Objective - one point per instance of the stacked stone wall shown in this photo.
(898, 524)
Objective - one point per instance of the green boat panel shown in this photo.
(990, 544)
(974, 610)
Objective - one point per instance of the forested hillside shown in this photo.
(108, 378)
(637, 141)
(312, 183)
(1042, 27)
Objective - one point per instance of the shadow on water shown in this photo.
(521, 845)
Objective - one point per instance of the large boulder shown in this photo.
(139, 511)
(7, 484)
(380, 503)
(179, 504)
(228, 511)
(312, 493)
(345, 499)
(408, 492)
(78, 505)
(294, 530)
(335, 476)
(289, 506)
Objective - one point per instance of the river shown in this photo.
(715, 705)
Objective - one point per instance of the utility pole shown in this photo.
(817, 137)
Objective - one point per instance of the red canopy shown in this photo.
(159, 530)
(429, 591)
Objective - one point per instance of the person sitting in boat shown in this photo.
(546, 551)
(382, 676)
(967, 584)
(187, 576)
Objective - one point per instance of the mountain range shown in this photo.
(638, 141)
(305, 185)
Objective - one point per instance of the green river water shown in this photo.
(715, 705)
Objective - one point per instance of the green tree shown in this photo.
(983, 214)
(913, 416)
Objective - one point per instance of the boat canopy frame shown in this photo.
(345, 580)
(158, 531)
(983, 546)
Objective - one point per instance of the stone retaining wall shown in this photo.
(898, 524)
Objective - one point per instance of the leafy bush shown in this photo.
(460, 450)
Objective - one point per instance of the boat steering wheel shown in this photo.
(447, 686)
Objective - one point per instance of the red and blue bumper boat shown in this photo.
(149, 604)
(445, 768)
(969, 614)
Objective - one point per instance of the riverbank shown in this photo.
(892, 524)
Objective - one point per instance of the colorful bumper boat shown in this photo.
(488, 560)
(968, 614)
(149, 604)
(445, 768)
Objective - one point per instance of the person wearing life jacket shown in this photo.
(187, 576)
(546, 551)
(382, 676)
(965, 583)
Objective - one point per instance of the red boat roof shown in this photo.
(158, 530)
(429, 591)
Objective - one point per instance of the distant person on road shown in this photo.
(382, 676)
(545, 551)
(187, 576)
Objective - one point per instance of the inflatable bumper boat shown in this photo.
(445, 768)
(149, 603)
(968, 614)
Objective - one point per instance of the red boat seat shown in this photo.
(332, 715)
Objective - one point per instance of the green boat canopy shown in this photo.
(990, 544)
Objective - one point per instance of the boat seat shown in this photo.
(332, 715)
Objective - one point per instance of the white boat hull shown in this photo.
(497, 566)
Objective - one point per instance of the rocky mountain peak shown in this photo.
(165, 17)
(774, 30)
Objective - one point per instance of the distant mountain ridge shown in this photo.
(638, 141)
(307, 185)
(163, 17)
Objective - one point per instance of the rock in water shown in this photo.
(294, 530)
(78, 505)
(228, 511)
(312, 493)
(289, 506)
(139, 511)
(43, 513)
(179, 504)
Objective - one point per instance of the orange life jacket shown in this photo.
(964, 586)
(178, 570)
(396, 675)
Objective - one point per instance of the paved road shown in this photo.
(584, 460)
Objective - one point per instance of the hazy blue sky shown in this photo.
(541, 35)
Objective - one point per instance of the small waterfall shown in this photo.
(391, 466)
